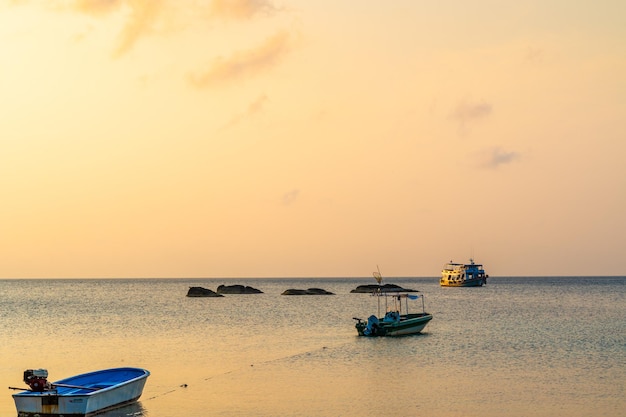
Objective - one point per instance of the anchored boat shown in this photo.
(463, 275)
(81, 395)
(397, 320)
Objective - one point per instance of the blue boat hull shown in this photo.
(84, 395)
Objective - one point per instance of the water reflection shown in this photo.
(135, 409)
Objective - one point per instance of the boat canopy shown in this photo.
(451, 266)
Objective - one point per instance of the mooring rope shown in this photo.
(232, 371)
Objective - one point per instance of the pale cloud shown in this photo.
(469, 112)
(533, 55)
(253, 108)
(96, 7)
(244, 63)
(257, 105)
(241, 9)
(144, 17)
(290, 197)
(140, 22)
(496, 157)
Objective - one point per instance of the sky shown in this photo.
(262, 138)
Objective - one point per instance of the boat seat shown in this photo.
(391, 317)
(103, 385)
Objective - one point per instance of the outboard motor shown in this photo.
(372, 326)
(37, 379)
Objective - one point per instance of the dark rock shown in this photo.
(237, 289)
(319, 291)
(202, 292)
(291, 291)
(370, 288)
(310, 291)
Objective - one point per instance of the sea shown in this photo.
(518, 346)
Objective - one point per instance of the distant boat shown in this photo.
(463, 275)
(81, 395)
(397, 320)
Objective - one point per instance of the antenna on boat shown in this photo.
(379, 279)
(378, 276)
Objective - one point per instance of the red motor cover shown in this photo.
(37, 384)
(36, 379)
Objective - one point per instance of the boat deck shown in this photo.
(86, 389)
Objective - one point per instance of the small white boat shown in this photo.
(463, 275)
(81, 395)
(397, 320)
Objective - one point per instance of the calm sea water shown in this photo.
(516, 347)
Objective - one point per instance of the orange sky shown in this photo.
(257, 138)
